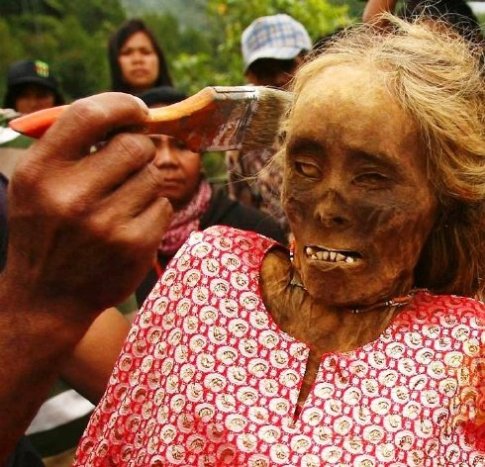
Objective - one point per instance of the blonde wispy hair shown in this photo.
(437, 78)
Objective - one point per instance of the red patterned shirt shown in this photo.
(206, 378)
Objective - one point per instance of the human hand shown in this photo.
(84, 227)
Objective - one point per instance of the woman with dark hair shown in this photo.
(196, 203)
(136, 61)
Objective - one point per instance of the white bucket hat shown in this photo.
(279, 36)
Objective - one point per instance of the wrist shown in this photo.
(44, 316)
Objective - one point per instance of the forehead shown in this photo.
(350, 106)
(33, 88)
(139, 38)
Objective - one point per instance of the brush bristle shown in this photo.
(263, 127)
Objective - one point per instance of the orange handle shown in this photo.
(164, 118)
(207, 120)
(37, 123)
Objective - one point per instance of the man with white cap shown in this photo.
(272, 47)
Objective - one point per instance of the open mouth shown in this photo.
(330, 255)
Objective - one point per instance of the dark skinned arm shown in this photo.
(374, 8)
(84, 229)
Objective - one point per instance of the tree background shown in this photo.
(199, 37)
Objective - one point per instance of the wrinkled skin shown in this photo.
(355, 187)
(356, 180)
(83, 231)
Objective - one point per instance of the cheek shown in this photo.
(48, 101)
(296, 199)
(154, 64)
(21, 105)
(124, 63)
(192, 167)
(396, 230)
(281, 80)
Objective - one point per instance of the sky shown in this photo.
(478, 7)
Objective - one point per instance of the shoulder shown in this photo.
(227, 238)
(460, 317)
(219, 242)
(460, 307)
(211, 263)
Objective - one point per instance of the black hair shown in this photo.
(457, 13)
(117, 41)
(162, 95)
(14, 91)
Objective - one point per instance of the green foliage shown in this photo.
(13, 51)
(201, 38)
(70, 36)
(233, 16)
(188, 13)
(355, 7)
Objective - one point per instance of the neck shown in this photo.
(321, 326)
(398, 298)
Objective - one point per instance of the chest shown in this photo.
(223, 378)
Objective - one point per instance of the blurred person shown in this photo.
(74, 249)
(196, 203)
(273, 47)
(137, 62)
(31, 87)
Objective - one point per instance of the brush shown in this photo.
(217, 118)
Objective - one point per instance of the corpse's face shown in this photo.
(356, 192)
(139, 62)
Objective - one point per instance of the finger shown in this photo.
(87, 122)
(107, 169)
(136, 236)
(154, 220)
(139, 191)
(144, 234)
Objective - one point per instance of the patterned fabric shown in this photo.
(207, 378)
(186, 221)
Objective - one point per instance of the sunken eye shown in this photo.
(307, 169)
(372, 179)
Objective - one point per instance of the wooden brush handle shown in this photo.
(167, 119)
